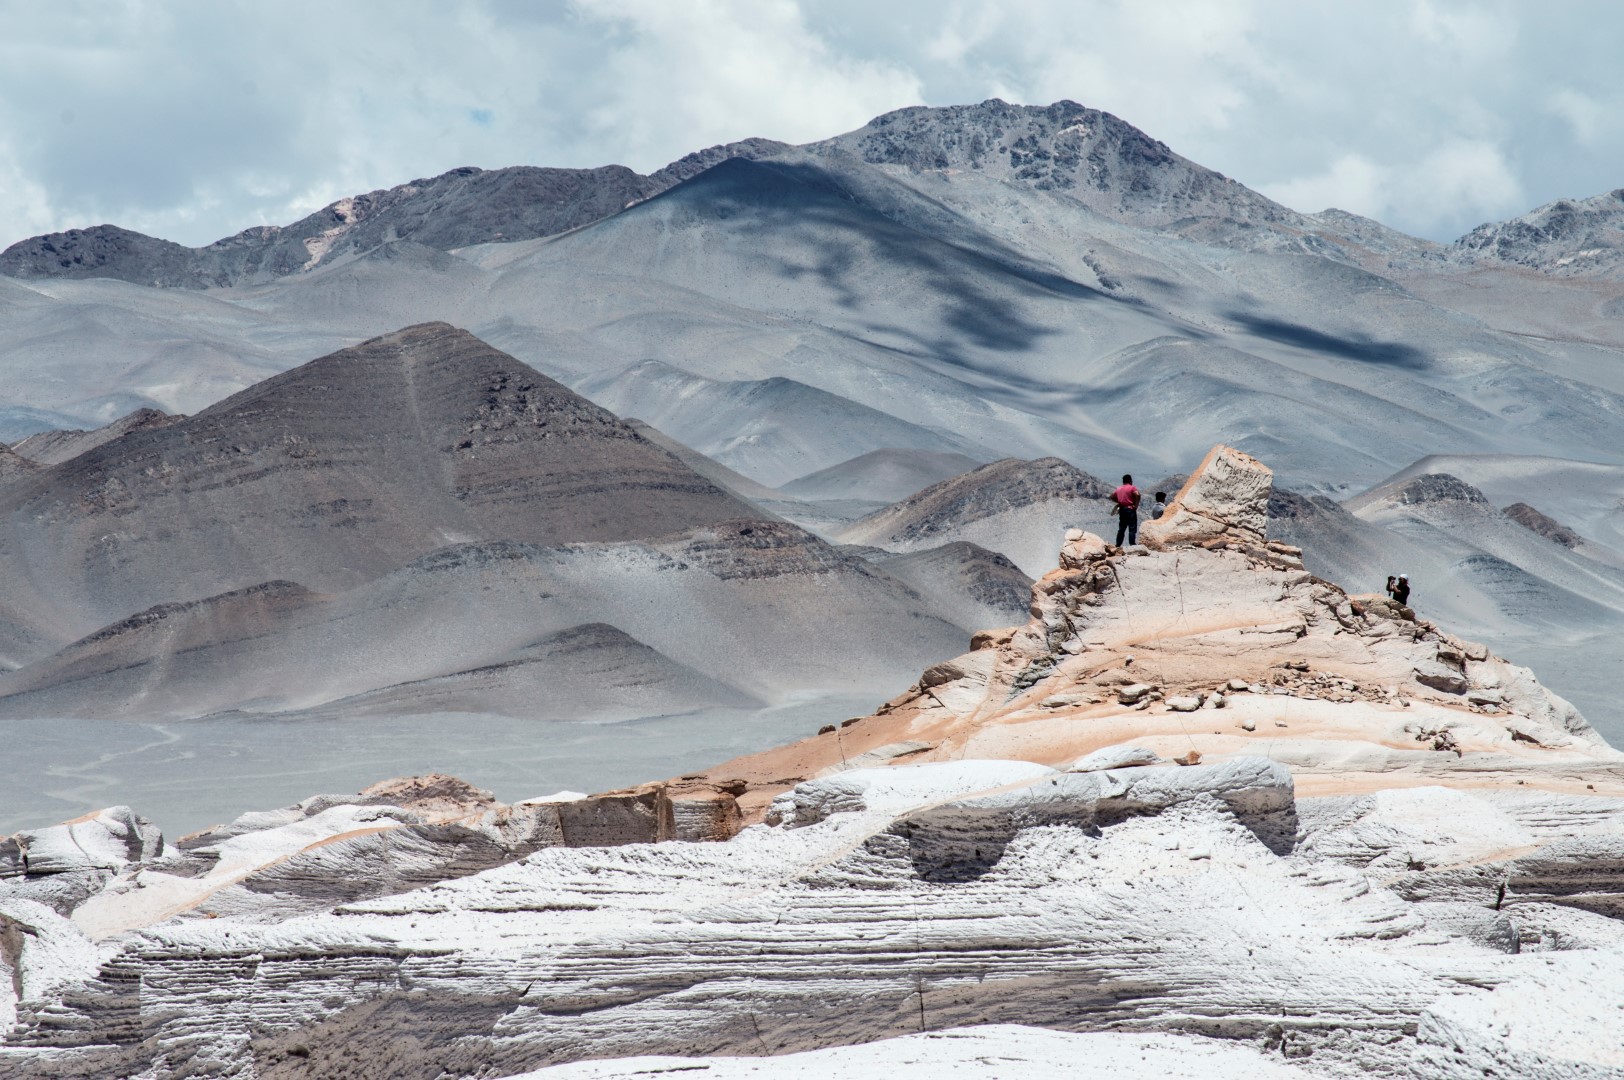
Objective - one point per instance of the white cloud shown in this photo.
(1458, 179)
(192, 119)
(1461, 175)
(1353, 183)
(720, 70)
(1590, 120)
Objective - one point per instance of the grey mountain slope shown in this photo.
(339, 471)
(13, 464)
(736, 483)
(884, 476)
(55, 447)
(1016, 508)
(1586, 495)
(94, 350)
(963, 302)
(747, 605)
(1091, 156)
(456, 209)
(589, 672)
(1449, 515)
(773, 430)
(967, 584)
(461, 207)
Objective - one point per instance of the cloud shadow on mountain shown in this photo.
(1352, 347)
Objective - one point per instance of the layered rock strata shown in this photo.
(1394, 855)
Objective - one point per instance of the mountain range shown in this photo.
(786, 337)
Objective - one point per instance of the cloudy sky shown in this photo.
(192, 119)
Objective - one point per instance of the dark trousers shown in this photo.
(1127, 524)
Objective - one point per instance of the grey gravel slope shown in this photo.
(334, 473)
(884, 475)
(745, 609)
(1020, 509)
(455, 209)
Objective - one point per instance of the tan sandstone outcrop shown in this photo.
(1226, 498)
(1213, 642)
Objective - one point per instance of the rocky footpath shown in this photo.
(1203, 813)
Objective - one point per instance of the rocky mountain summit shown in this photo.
(1092, 156)
(1565, 238)
(1201, 805)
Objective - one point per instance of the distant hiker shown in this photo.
(1401, 590)
(1159, 507)
(1125, 501)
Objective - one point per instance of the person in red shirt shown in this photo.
(1125, 500)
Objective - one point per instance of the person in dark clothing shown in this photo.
(1401, 590)
(1126, 500)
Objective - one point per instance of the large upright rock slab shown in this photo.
(1227, 497)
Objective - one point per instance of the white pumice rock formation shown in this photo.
(1390, 853)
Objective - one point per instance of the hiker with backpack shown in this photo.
(1125, 504)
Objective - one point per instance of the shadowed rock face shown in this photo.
(339, 471)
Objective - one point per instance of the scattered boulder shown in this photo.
(1549, 528)
(1114, 757)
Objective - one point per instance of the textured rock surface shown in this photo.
(1569, 237)
(1227, 497)
(991, 1052)
(1162, 900)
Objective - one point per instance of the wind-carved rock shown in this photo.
(1226, 498)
